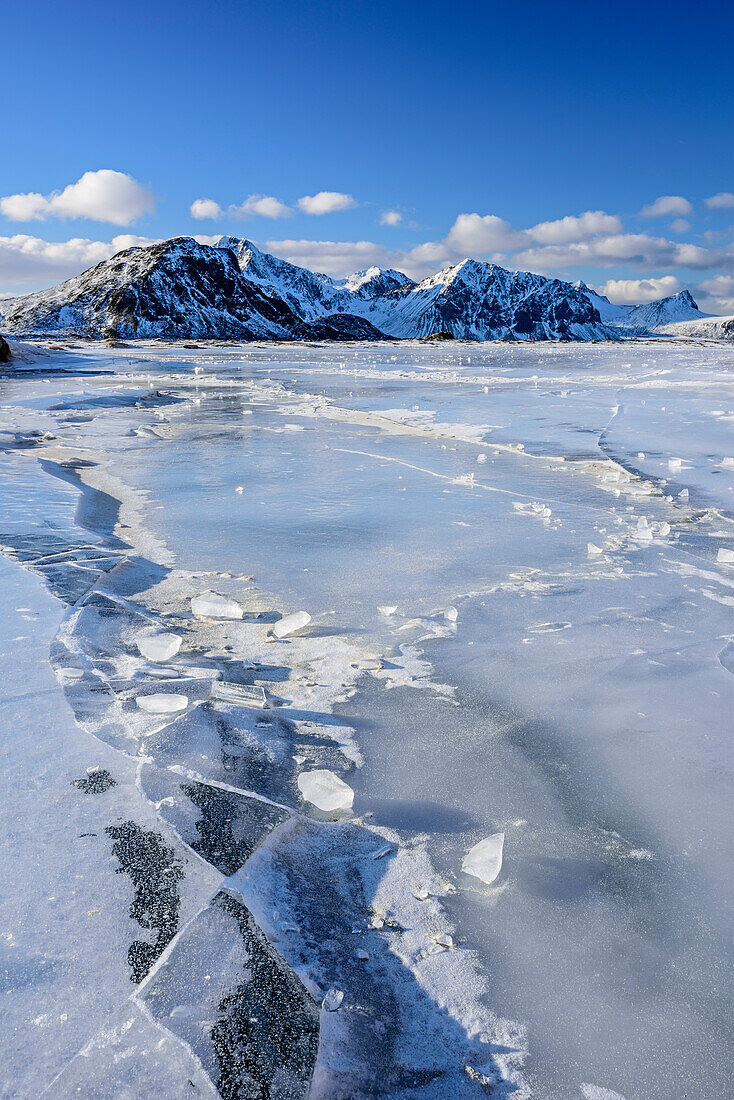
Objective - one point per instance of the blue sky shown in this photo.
(507, 117)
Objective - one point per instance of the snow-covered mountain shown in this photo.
(665, 311)
(175, 289)
(235, 291)
(610, 313)
(704, 328)
(481, 301)
(471, 300)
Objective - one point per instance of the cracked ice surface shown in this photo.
(577, 702)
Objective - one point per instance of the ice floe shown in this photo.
(289, 624)
(159, 647)
(159, 703)
(210, 605)
(484, 860)
(325, 790)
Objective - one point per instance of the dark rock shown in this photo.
(155, 872)
(96, 781)
(5, 353)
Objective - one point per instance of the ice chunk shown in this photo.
(727, 463)
(388, 609)
(325, 790)
(640, 454)
(451, 614)
(484, 860)
(683, 495)
(593, 550)
(333, 999)
(481, 458)
(246, 695)
(725, 556)
(160, 703)
(675, 463)
(159, 647)
(210, 605)
(643, 532)
(291, 623)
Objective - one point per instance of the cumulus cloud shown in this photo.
(325, 202)
(720, 286)
(635, 291)
(591, 224)
(635, 249)
(335, 258)
(254, 206)
(390, 217)
(680, 225)
(32, 262)
(723, 201)
(666, 205)
(716, 295)
(261, 206)
(205, 208)
(103, 196)
(477, 234)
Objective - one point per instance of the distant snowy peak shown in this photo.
(310, 294)
(609, 312)
(483, 301)
(375, 281)
(177, 289)
(665, 311)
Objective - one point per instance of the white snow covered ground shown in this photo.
(578, 702)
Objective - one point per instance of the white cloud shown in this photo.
(716, 295)
(32, 262)
(205, 208)
(390, 217)
(665, 205)
(254, 206)
(634, 291)
(104, 196)
(335, 258)
(635, 249)
(591, 224)
(723, 201)
(680, 225)
(325, 202)
(261, 206)
(477, 234)
(719, 286)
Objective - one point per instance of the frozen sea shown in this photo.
(515, 562)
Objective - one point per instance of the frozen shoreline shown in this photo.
(444, 976)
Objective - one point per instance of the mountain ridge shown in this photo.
(232, 290)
